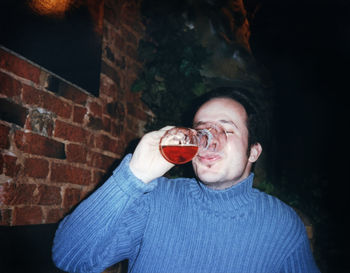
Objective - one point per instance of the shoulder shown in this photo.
(281, 226)
(276, 206)
(282, 218)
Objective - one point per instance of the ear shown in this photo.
(255, 151)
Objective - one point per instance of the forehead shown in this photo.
(221, 109)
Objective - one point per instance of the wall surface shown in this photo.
(58, 142)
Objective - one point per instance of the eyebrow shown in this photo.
(223, 121)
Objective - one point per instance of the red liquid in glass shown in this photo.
(179, 154)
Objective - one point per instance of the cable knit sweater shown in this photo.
(179, 225)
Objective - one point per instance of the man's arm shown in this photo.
(105, 228)
(301, 259)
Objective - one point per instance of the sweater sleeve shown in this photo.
(301, 259)
(106, 227)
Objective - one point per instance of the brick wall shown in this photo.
(57, 141)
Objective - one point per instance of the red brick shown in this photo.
(19, 66)
(39, 145)
(135, 111)
(49, 195)
(131, 51)
(112, 12)
(71, 197)
(133, 125)
(9, 86)
(119, 42)
(44, 99)
(1, 163)
(62, 173)
(116, 110)
(133, 96)
(110, 72)
(98, 177)
(70, 132)
(90, 140)
(72, 93)
(129, 36)
(106, 143)
(85, 193)
(10, 165)
(32, 96)
(138, 27)
(117, 130)
(79, 114)
(106, 121)
(133, 23)
(94, 123)
(19, 194)
(4, 136)
(76, 153)
(57, 105)
(35, 167)
(5, 217)
(27, 215)
(100, 161)
(135, 67)
(130, 136)
(54, 215)
(95, 109)
(108, 87)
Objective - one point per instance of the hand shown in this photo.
(147, 162)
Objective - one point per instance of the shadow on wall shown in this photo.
(27, 249)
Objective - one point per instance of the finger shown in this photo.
(158, 134)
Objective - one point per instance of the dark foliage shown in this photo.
(172, 58)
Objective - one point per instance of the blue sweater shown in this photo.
(179, 225)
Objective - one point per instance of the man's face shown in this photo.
(233, 164)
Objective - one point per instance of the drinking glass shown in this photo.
(180, 145)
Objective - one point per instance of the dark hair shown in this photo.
(255, 119)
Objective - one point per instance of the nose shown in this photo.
(213, 145)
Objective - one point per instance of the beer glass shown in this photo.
(180, 145)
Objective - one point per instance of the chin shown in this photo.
(207, 173)
(210, 168)
(216, 182)
(207, 180)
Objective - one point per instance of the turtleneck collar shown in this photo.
(224, 200)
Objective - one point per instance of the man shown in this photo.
(213, 223)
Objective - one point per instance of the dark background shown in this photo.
(67, 46)
(304, 46)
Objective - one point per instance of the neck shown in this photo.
(223, 185)
(227, 199)
(220, 185)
